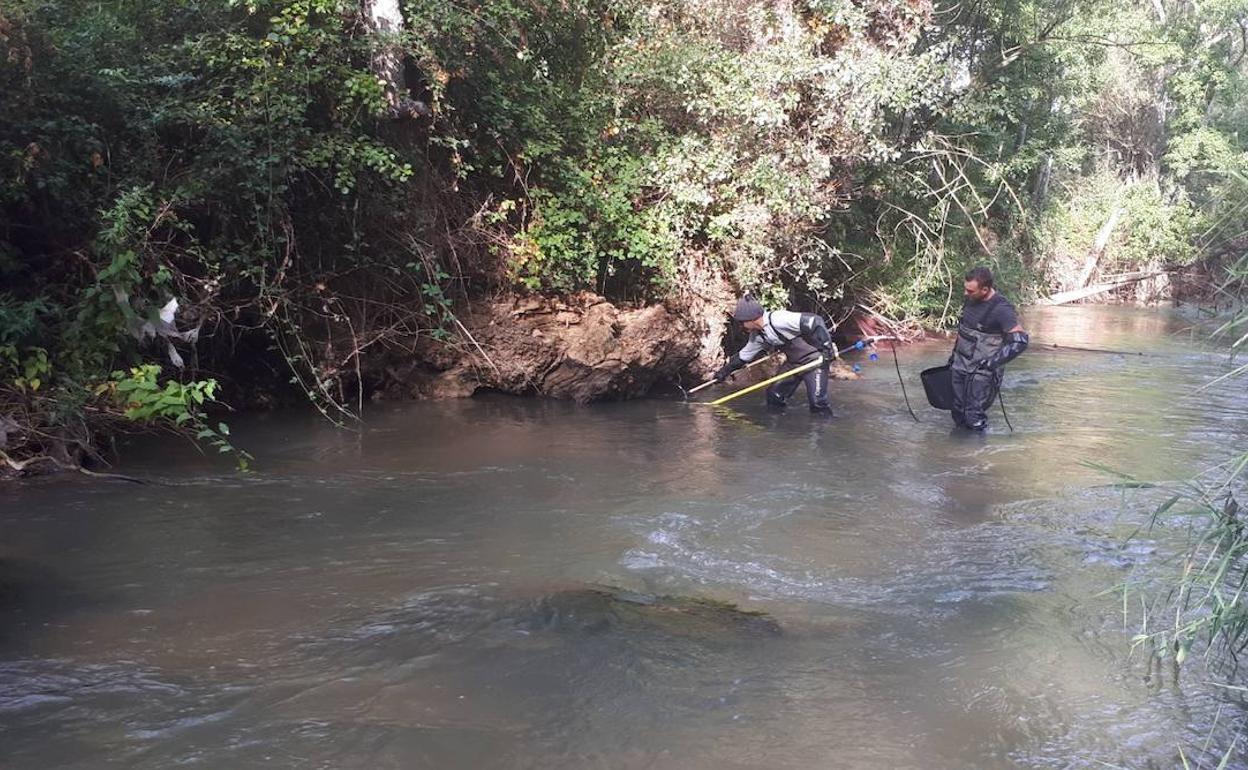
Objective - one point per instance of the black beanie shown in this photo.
(747, 309)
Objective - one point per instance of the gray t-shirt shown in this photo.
(994, 315)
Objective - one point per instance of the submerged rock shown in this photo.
(599, 609)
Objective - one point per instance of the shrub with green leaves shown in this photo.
(144, 398)
(170, 171)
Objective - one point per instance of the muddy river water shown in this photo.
(477, 584)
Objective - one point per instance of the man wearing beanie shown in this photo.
(803, 337)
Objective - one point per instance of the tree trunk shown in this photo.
(1041, 189)
(1098, 248)
(386, 19)
(1065, 297)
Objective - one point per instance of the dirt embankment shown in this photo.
(579, 347)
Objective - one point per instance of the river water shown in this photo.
(470, 584)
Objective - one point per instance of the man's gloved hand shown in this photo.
(725, 371)
(828, 353)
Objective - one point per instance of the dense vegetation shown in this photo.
(265, 193)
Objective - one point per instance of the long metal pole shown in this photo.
(750, 365)
(783, 375)
(836, 353)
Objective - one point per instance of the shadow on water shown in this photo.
(32, 594)
(520, 584)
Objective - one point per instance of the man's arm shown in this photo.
(1016, 339)
(815, 331)
(752, 349)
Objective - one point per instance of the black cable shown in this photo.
(902, 382)
(1001, 401)
(1056, 347)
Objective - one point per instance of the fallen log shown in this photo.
(1066, 297)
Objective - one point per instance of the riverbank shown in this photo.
(578, 347)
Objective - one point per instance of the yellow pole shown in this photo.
(799, 370)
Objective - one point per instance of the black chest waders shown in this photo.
(798, 352)
(974, 387)
(973, 348)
